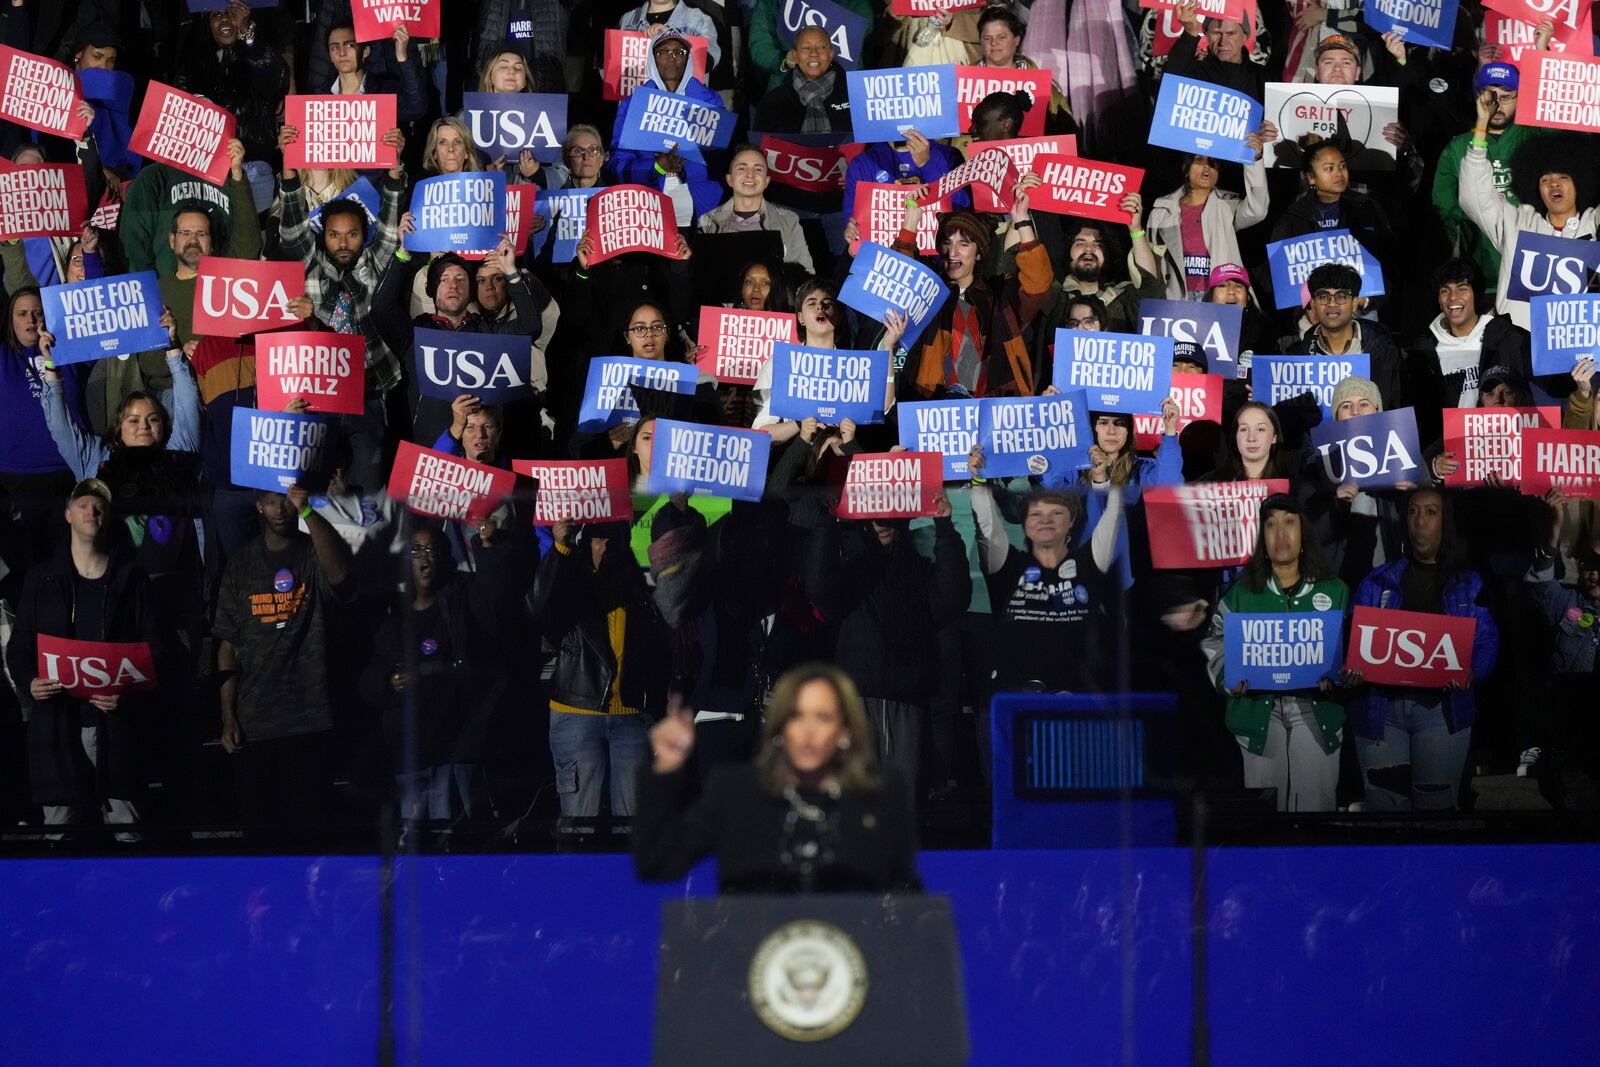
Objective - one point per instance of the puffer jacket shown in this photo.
(1381, 589)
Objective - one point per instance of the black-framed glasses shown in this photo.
(1080, 323)
(1333, 296)
(640, 329)
(673, 53)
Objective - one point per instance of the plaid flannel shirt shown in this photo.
(325, 281)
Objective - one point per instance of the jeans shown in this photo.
(438, 794)
(1294, 761)
(588, 749)
(897, 733)
(1417, 764)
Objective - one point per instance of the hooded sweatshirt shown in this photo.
(693, 192)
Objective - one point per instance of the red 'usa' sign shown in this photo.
(1410, 647)
(42, 200)
(1209, 524)
(375, 20)
(737, 342)
(235, 297)
(40, 94)
(583, 490)
(814, 168)
(185, 132)
(97, 668)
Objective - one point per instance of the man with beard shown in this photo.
(1089, 247)
(342, 271)
(1504, 136)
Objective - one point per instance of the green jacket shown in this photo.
(767, 50)
(1247, 716)
(1447, 202)
(146, 219)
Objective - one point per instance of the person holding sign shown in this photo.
(1328, 203)
(683, 178)
(1551, 202)
(1413, 742)
(1289, 739)
(975, 345)
(1336, 331)
(83, 754)
(150, 459)
(812, 814)
(1052, 602)
(361, 72)
(1356, 529)
(342, 273)
(1209, 219)
(1226, 61)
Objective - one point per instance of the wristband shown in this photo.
(1020, 223)
(305, 512)
(1479, 142)
(580, 275)
(1136, 234)
(660, 171)
(978, 480)
(402, 255)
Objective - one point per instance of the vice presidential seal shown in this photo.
(808, 981)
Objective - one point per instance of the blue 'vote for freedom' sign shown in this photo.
(493, 367)
(1122, 372)
(1278, 378)
(1275, 652)
(104, 317)
(1543, 263)
(882, 280)
(1294, 258)
(716, 460)
(659, 121)
(1196, 116)
(845, 29)
(276, 449)
(1034, 434)
(948, 427)
(1564, 329)
(1429, 22)
(458, 212)
(886, 103)
(1376, 451)
(507, 124)
(829, 384)
(566, 219)
(608, 394)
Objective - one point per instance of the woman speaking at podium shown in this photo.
(812, 813)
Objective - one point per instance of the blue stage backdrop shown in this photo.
(1472, 954)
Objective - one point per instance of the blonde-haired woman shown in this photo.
(812, 813)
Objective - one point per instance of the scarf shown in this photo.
(814, 95)
(1102, 81)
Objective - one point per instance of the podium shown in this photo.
(810, 980)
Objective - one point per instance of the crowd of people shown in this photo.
(324, 651)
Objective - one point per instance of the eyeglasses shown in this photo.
(672, 53)
(1333, 296)
(1087, 320)
(642, 328)
(586, 151)
(198, 235)
(423, 552)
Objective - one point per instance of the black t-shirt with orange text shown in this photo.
(272, 608)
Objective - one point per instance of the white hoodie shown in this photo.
(1461, 354)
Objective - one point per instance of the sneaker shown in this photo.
(1530, 759)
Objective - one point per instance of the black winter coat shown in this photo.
(59, 771)
(889, 605)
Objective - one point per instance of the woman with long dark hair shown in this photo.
(812, 813)
(1289, 739)
(1413, 742)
